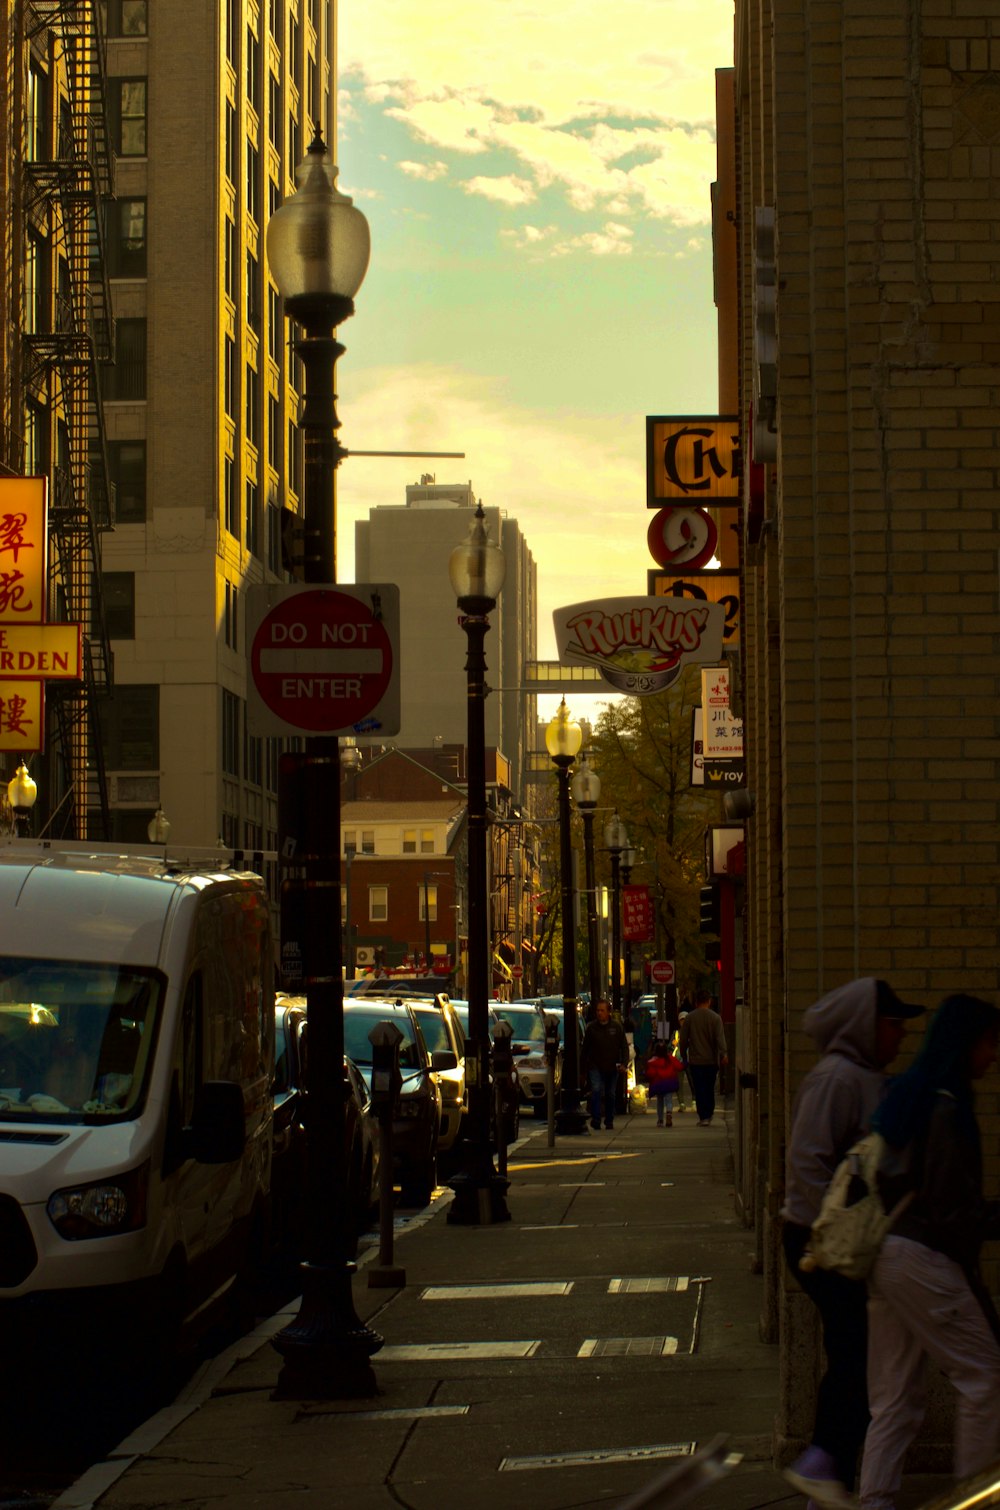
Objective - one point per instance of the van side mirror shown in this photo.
(444, 1059)
(217, 1134)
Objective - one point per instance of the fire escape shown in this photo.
(73, 187)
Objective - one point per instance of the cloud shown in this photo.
(504, 190)
(429, 171)
(585, 102)
(578, 491)
(614, 241)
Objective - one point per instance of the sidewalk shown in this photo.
(626, 1328)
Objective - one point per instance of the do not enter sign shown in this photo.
(661, 972)
(323, 660)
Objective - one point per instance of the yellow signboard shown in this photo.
(22, 728)
(23, 545)
(693, 459)
(720, 586)
(51, 651)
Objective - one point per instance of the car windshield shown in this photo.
(526, 1022)
(358, 1023)
(75, 1040)
(434, 1028)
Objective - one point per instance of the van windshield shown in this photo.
(75, 1039)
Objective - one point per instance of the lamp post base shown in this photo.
(480, 1198)
(327, 1349)
(571, 1119)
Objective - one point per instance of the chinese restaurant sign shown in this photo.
(693, 459)
(31, 651)
(640, 645)
(637, 914)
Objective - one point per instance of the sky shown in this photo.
(537, 182)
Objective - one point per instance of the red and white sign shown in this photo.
(661, 972)
(323, 660)
(517, 971)
(637, 914)
(640, 645)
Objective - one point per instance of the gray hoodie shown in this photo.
(836, 1100)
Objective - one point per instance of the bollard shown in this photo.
(551, 1054)
(385, 1039)
(503, 1064)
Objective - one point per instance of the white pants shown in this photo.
(920, 1305)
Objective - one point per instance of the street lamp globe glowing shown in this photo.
(21, 790)
(629, 857)
(318, 243)
(477, 569)
(158, 827)
(586, 787)
(563, 737)
(615, 837)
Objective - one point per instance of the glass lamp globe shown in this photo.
(21, 790)
(318, 244)
(563, 737)
(615, 837)
(477, 569)
(586, 787)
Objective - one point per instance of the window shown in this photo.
(231, 158)
(251, 534)
(252, 405)
(35, 322)
(127, 238)
(230, 733)
(367, 841)
(274, 111)
(428, 903)
(275, 325)
(118, 588)
(293, 144)
(130, 728)
(350, 840)
(253, 70)
(426, 841)
(253, 181)
(253, 759)
(409, 841)
(36, 111)
(232, 615)
(229, 377)
(294, 457)
(230, 500)
(229, 257)
(232, 30)
(127, 465)
(378, 904)
(127, 18)
(273, 540)
(129, 116)
(253, 292)
(127, 378)
(273, 432)
(35, 439)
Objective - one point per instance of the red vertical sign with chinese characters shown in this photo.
(637, 914)
(23, 575)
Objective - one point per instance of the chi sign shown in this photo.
(323, 660)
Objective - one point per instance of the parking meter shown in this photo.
(386, 1083)
(503, 1069)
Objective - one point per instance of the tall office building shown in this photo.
(210, 105)
(410, 545)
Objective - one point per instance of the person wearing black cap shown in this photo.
(859, 1030)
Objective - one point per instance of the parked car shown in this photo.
(532, 1067)
(417, 1115)
(288, 1169)
(527, 1022)
(511, 1110)
(443, 1032)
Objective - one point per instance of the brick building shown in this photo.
(866, 236)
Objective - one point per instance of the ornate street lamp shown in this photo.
(615, 840)
(158, 827)
(563, 739)
(21, 794)
(586, 790)
(477, 569)
(629, 858)
(318, 246)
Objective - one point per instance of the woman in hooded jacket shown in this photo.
(927, 1298)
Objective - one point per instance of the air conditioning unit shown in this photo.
(364, 956)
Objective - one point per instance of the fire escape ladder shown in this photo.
(86, 810)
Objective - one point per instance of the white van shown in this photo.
(136, 1057)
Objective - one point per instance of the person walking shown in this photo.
(663, 1073)
(859, 1030)
(703, 1049)
(926, 1295)
(603, 1055)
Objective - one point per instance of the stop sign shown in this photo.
(517, 971)
(323, 660)
(661, 972)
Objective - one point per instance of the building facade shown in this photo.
(867, 240)
(411, 545)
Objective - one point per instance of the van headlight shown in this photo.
(102, 1209)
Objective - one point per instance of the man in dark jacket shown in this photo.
(603, 1056)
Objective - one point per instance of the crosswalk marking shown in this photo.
(450, 1351)
(599, 1455)
(665, 1285)
(514, 1291)
(628, 1347)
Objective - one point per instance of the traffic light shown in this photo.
(710, 917)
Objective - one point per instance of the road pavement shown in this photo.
(563, 1359)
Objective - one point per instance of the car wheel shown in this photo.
(420, 1182)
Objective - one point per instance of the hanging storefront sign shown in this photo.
(722, 736)
(703, 585)
(693, 459)
(637, 915)
(639, 645)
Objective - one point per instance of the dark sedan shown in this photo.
(288, 1170)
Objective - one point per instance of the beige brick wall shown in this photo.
(872, 625)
